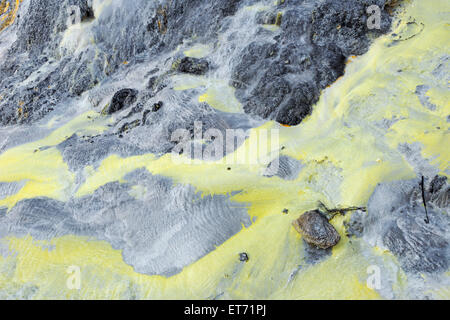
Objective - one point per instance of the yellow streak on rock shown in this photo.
(113, 168)
(198, 51)
(221, 97)
(45, 172)
(271, 27)
(345, 155)
(218, 95)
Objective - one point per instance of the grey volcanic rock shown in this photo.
(355, 227)
(418, 248)
(35, 77)
(193, 66)
(161, 228)
(45, 20)
(121, 99)
(243, 257)
(314, 254)
(281, 79)
(278, 75)
(121, 55)
(439, 192)
(396, 221)
(9, 189)
(316, 230)
(79, 152)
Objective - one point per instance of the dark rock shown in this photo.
(112, 214)
(184, 19)
(157, 106)
(40, 31)
(439, 192)
(121, 99)
(316, 230)
(270, 17)
(283, 80)
(355, 227)
(285, 167)
(243, 257)
(129, 126)
(278, 78)
(193, 66)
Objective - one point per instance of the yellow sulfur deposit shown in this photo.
(345, 153)
(8, 12)
(43, 170)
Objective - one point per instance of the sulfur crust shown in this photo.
(340, 147)
(45, 172)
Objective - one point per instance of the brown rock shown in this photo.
(316, 230)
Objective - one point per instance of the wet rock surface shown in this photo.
(278, 78)
(396, 221)
(193, 66)
(243, 257)
(91, 89)
(281, 79)
(284, 167)
(355, 226)
(121, 99)
(36, 76)
(128, 217)
(316, 230)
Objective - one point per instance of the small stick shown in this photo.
(422, 184)
(343, 211)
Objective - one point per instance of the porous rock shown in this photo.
(193, 66)
(121, 99)
(316, 230)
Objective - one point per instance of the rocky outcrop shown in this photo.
(397, 221)
(282, 78)
(122, 99)
(278, 75)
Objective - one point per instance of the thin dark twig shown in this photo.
(422, 185)
(341, 211)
